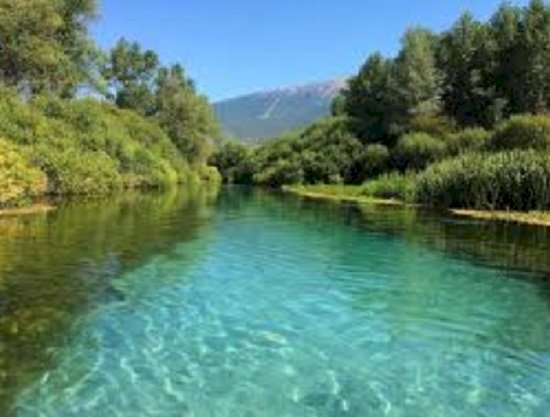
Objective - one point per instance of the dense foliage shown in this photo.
(141, 125)
(18, 179)
(88, 147)
(514, 180)
(45, 45)
(522, 132)
(429, 125)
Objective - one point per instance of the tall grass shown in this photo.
(391, 186)
(512, 180)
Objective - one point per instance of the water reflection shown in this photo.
(56, 266)
(274, 305)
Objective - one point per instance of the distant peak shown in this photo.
(271, 113)
(328, 88)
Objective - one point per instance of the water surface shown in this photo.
(252, 303)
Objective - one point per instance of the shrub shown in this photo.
(514, 180)
(88, 147)
(522, 132)
(468, 140)
(71, 171)
(280, 173)
(232, 159)
(209, 175)
(377, 160)
(392, 185)
(324, 152)
(438, 126)
(19, 181)
(417, 150)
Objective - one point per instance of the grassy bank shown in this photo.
(357, 194)
(536, 218)
(22, 211)
(346, 193)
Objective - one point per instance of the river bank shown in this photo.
(21, 211)
(345, 193)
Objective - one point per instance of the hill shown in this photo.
(268, 114)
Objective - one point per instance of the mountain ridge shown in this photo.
(265, 114)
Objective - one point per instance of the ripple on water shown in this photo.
(278, 318)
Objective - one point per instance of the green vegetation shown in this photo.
(522, 132)
(515, 180)
(392, 186)
(75, 120)
(415, 151)
(18, 179)
(456, 119)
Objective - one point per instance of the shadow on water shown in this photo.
(56, 266)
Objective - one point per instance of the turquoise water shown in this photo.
(257, 304)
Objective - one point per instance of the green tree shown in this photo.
(233, 160)
(505, 28)
(371, 99)
(131, 73)
(418, 80)
(186, 116)
(534, 58)
(45, 46)
(338, 106)
(466, 56)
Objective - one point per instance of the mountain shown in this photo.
(268, 114)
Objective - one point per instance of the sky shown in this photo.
(236, 47)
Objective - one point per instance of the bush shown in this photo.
(438, 126)
(209, 175)
(417, 150)
(324, 152)
(71, 171)
(280, 173)
(468, 140)
(88, 147)
(377, 160)
(392, 185)
(19, 181)
(522, 132)
(513, 180)
(232, 159)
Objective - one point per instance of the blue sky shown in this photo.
(234, 47)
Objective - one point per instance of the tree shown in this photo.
(338, 106)
(418, 80)
(534, 54)
(138, 82)
(233, 160)
(466, 56)
(186, 116)
(371, 99)
(45, 45)
(505, 30)
(131, 73)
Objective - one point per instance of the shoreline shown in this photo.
(345, 198)
(27, 210)
(533, 218)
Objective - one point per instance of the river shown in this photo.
(250, 303)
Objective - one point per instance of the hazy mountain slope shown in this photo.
(269, 114)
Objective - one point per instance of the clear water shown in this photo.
(257, 304)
